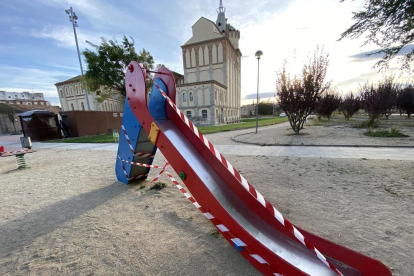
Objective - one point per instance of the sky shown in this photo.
(37, 45)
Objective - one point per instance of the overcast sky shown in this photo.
(37, 47)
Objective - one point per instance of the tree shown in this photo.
(371, 102)
(327, 104)
(350, 105)
(405, 100)
(266, 108)
(388, 95)
(379, 99)
(298, 95)
(390, 25)
(107, 66)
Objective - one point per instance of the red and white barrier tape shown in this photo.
(139, 164)
(127, 176)
(259, 197)
(16, 152)
(142, 154)
(159, 174)
(221, 227)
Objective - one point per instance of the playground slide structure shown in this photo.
(240, 213)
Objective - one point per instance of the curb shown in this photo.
(233, 138)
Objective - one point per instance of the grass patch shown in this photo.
(394, 132)
(102, 138)
(365, 124)
(246, 123)
(158, 186)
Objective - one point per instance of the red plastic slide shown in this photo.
(241, 214)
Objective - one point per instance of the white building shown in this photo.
(211, 92)
(72, 97)
(24, 98)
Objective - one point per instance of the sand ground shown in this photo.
(68, 215)
(337, 131)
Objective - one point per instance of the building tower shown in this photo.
(211, 90)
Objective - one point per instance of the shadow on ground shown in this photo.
(22, 231)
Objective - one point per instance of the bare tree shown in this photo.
(405, 100)
(298, 95)
(350, 105)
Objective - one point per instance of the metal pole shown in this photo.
(257, 101)
(80, 61)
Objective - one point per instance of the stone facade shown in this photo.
(72, 97)
(212, 71)
(24, 98)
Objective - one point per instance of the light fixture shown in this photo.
(259, 54)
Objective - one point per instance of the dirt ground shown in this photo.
(336, 131)
(68, 215)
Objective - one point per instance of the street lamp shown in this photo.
(258, 55)
(73, 18)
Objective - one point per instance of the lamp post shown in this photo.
(73, 18)
(258, 55)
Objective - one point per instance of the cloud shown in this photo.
(19, 79)
(64, 37)
(261, 96)
(364, 56)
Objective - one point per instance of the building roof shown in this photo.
(37, 112)
(71, 80)
(177, 75)
(204, 29)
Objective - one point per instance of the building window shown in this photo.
(191, 97)
(189, 114)
(111, 107)
(106, 107)
(204, 113)
(83, 106)
(71, 105)
(184, 97)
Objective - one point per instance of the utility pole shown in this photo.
(73, 18)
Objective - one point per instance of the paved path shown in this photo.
(252, 150)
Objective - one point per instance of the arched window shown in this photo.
(61, 94)
(106, 107)
(71, 105)
(111, 107)
(70, 91)
(184, 97)
(83, 106)
(66, 91)
(191, 97)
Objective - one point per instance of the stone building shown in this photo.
(72, 97)
(211, 91)
(23, 98)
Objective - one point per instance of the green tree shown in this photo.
(107, 64)
(388, 24)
